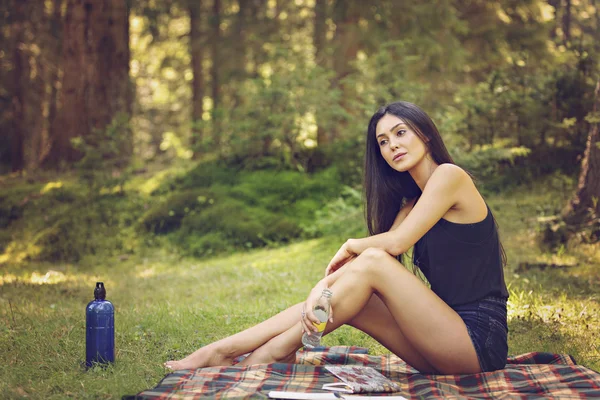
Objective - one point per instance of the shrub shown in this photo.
(5, 239)
(10, 210)
(279, 191)
(239, 225)
(104, 226)
(166, 216)
(204, 175)
(491, 166)
(211, 243)
(341, 216)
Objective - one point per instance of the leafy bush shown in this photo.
(105, 155)
(276, 113)
(211, 243)
(236, 224)
(13, 201)
(10, 210)
(5, 238)
(166, 216)
(341, 216)
(284, 191)
(102, 227)
(204, 175)
(491, 166)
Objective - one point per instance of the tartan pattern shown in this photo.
(527, 376)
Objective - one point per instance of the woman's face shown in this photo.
(399, 145)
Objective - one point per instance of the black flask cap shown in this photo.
(100, 291)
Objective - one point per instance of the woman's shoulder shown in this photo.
(451, 170)
(450, 174)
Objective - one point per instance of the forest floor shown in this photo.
(167, 306)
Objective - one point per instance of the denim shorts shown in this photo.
(486, 323)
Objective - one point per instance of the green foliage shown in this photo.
(518, 103)
(342, 216)
(10, 209)
(203, 175)
(237, 224)
(249, 209)
(276, 115)
(104, 156)
(492, 166)
(104, 227)
(283, 191)
(167, 215)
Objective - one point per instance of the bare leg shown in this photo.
(433, 337)
(222, 352)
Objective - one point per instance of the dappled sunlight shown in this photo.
(560, 258)
(51, 186)
(540, 318)
(146, 273)
(17, 253)
(50, 277)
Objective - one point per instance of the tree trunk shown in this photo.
(95, 84)
(216, 65)
(584, 206)
(20, 75)
(346, 16)
(239, 45)
(194, 8)
(53, 76)
(556, 5)
(319, 41)
(38, 29)
(567, 22)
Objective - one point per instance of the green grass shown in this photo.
(168, 306)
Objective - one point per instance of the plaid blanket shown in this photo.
(528, 376)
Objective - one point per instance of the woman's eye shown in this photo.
(401, 132)
(383, 142)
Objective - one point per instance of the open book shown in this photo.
(359, 379)
(327, 396)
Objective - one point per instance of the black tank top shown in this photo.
(462, 262)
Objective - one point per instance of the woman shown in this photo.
(415, 196)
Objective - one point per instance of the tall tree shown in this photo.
(583, 209)
(346, 41)
(320, 42)
(196, 45)
(566, 25)
(95, 84)
(216, 66)
(240, 48)
(19, 85)
(55, 49)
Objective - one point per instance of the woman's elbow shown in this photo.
(397, 249)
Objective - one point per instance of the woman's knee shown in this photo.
(372, 259)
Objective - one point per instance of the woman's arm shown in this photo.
(406, 208)
(439, 195)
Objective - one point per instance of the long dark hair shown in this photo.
(387, 190)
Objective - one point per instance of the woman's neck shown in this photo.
(423, 171)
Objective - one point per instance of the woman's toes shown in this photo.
(170, 365)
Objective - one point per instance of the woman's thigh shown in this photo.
(376, 321)
(427, 323)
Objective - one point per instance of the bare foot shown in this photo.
(208, 356)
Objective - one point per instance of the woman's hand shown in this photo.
(308, 317)
(343, 255)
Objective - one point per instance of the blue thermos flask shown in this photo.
(100, 329)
